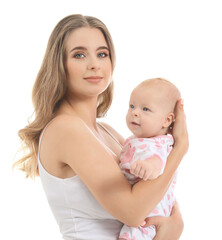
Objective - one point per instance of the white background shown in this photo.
(178, 40)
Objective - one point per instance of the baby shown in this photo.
(150, 118)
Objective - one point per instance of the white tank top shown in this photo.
(75, 209)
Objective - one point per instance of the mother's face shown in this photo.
(88, 64)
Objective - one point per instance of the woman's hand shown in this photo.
(167, 228)
(179, 130)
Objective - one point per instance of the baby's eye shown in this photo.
(146, 109)
(132, 106)
(79, 55)
(103, 54)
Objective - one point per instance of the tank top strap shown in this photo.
(104, 128)
(100, 124)
(40, 138)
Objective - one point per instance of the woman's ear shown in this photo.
(169, 120)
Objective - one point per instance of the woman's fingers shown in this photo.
(153, 221)
(179, 131)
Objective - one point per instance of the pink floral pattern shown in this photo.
(141, 149)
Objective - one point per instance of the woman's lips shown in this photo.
(93, 79)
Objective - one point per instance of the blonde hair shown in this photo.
(50, 87)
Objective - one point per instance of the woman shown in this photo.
(76, 157)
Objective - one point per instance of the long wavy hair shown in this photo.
(51, 84)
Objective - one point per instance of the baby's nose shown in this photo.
(135, 113)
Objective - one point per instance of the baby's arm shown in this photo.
(146, 169)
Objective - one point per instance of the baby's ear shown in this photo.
(169, 120)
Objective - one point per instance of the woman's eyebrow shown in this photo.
(102, 47)
(78, 48)
(84, 48)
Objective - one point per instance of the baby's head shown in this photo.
(152, 108)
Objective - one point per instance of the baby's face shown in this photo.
(147, 112)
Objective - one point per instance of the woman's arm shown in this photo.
(76, 145)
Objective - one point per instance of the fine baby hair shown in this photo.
(166, 89)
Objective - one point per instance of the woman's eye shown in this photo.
(146, 109)
(103, 54)
(79, 55)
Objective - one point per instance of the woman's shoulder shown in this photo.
(62, 135)
(63, 126)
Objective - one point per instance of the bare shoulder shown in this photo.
(61, 131)
(65, 122)
(73, 143)
(118, 136)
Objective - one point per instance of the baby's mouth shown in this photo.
(135, 123)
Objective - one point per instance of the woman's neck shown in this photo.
(86, 110)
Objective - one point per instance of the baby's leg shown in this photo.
(140, 233)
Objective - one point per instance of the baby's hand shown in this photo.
(147, 169)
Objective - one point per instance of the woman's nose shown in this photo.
(93, 64)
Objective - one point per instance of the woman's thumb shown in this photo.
(153, 221)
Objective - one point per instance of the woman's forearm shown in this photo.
(177, 217)
(147, 194)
